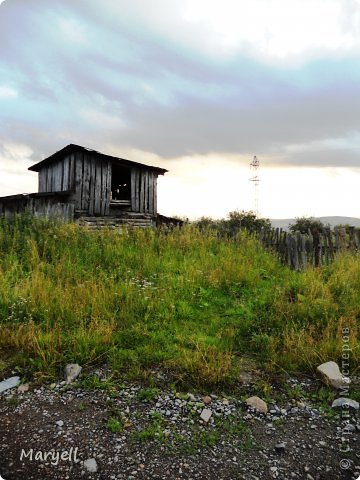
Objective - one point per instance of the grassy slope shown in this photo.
(184, 300)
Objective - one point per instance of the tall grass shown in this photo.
(185, 301)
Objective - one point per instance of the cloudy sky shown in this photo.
(195, 86)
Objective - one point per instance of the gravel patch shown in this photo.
(67, 432)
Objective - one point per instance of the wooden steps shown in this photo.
(130, 220)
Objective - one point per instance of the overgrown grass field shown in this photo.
(184, 301)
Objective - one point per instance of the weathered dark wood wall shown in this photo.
(90, 180)
(57, 177)
(92, 185)
(143, 191)
(49, 207)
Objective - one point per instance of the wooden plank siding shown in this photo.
(65, 184)
(48, 179)
(42, 181)
(137, 190)
(143, 191)
(47, 206)
(92, 185)
(90, 180)
(78, 179)
(151, 192)
(107, 189)
(85, 193)
(155, 194)
(133, 189)
(98, 188)
(57, 177)
(147, 202)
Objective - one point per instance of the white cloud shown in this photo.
(101, 120)
(16, 151)
(279, 28)
(7, 92)
(14, 177)
(270, 30)
(72, 30)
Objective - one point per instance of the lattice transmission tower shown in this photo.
(254, 169)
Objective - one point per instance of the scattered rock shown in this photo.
(206, 414)
(9, 383)
(245, 378)
(72, 371)
(207, 399)
(280, 447)
(23, 388)
(343, 402)
(257, 404)
(349, 428)
(91, 465)
(332, 375)
(289, 437)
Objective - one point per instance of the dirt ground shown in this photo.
(142, 433)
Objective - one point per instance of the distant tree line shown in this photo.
(312, 225)
(249, 221)
(234, 222)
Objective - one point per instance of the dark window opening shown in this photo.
(120, 183)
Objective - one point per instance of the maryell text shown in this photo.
(52, 456)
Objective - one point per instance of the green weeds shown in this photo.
(114, 425)
(154, 431)
(147, 394)
(184, 301)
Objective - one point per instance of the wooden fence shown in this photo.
(300, 250)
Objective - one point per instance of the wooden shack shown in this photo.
(95, 189)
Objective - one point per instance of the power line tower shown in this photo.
(254, 169)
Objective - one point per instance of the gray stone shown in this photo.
(332, 376)
(59, 423)
(345, 403)
(280, 447)
(257, 404)
(9, 383)
(72, 371)
(91, 465)
(206, 414)
(349, 428)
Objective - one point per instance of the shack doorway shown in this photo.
(121, 184)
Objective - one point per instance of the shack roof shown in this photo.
(72, 148)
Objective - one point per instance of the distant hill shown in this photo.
(285, 222)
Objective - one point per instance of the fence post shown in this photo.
(316, 246)
(352, 241)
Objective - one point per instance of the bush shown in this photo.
(306, 224)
